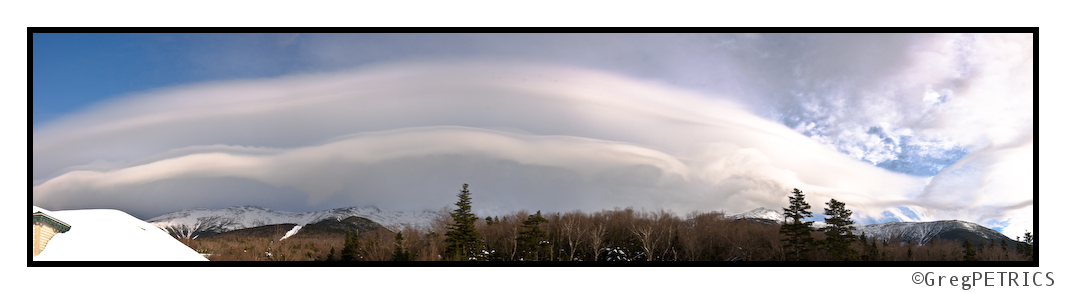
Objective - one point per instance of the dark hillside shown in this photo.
(312, 242)
(353, 223)
(266, 232)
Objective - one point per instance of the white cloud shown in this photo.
(406, 136)
(986, 187)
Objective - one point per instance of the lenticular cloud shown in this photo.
(406, 136)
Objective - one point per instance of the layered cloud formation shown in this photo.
(837, 117)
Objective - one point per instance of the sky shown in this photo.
(901, 127)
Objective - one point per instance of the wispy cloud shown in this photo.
(593, 139)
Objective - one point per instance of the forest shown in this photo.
(620, 234)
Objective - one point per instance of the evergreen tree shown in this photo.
(839, 232)
(872, 251)
(464, 242)
(350, 252)
(400, 254)
(865, 248)
(1020, 248)
(1030, 243)
(798, 240)
(1003, 245)
(1025, 248)
(971, 254)
(869, 248)
(532, 242)
(331, 257)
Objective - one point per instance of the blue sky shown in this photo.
(73, 71)
(938, 126)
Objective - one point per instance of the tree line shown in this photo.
(630, 235)
(625, 234)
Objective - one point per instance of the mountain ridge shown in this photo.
(918, 232)
(192, 223)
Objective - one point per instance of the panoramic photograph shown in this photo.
(422, 149)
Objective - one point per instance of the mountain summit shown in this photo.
(761, 213)
(192, 223)
(768, 216)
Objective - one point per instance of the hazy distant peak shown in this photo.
(194, 222)
(761, 213)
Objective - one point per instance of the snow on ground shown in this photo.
(240, 217)
(111, 235)
(291, 232)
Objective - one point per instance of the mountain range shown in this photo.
(917, 232)
(192, 223)
(199, 222)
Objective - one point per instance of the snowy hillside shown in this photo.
(767, 215)
(920, 232)
(761, 213)
(111, 235)
(193, 222)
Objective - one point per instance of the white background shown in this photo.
(17, 16)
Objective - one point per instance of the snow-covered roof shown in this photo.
(41, 217)
(111, 235)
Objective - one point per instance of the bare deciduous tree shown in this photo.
(572, 231)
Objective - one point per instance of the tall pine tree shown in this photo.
(400, 254)
(532, 242)
(971, 254)
(798, 240)
(839, 232)
(1003, 246)
(464, 242)
(350, 252)
(1026, 245)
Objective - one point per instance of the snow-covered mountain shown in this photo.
(762, 214)
(111, 235)
(921, 232)
(918, 232)
(192, 223)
